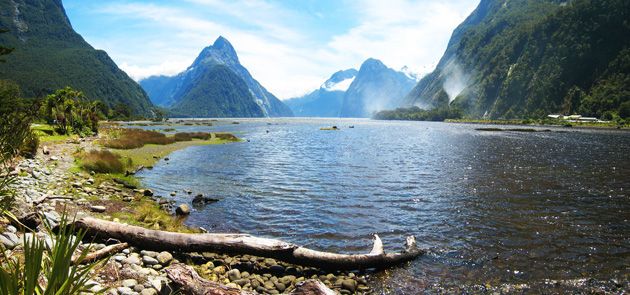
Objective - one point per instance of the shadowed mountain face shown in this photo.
(325, 101)
(376, 87)
(515, 59)
(216, 85)
(50, 55)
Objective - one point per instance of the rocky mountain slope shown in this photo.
(216, 85)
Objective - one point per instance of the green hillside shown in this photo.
(530, 58)
(48, 54)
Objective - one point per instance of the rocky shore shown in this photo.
(49, 185)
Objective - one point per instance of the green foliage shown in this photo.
(418, 114)
(29, 146)
(70, 112)
(4, 50)
(16, 116)
(531, 58)
(47, 268)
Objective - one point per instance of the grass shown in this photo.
(135, 138)
(101, 162)
(47, 133)
(148, 214)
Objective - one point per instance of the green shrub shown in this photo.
(30, 146)
(47, 269)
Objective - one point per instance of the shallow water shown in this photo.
(491, 207)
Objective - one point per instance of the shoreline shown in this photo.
(575, 125)
(52, 183)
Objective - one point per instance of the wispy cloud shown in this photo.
(289, 47)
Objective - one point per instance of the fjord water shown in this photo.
(490, 207)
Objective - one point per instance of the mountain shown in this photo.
(215, 85)
(376, 87)
(50, 55)
(325, 101)
(530, 58)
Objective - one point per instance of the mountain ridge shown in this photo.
(48, 55)
(170, 91)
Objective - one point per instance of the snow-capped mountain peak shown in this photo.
(409, 73)
(337, 85)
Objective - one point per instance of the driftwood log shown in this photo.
(189, 282)
(245, 244)
(98, 254)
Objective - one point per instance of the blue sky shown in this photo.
(291, 47)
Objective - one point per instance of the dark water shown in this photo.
(492, 207)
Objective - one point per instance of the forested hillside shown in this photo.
(48, 55)
(530, 58)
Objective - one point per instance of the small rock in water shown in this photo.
(182, 209)
(98, 209)
(148, 193)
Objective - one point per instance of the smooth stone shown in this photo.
(129, 283)
(132, 260)
(138, 288)
(349, 284)
(280, 286)
(148, 291)
(232, 285)
(276, 269)
(11, 229)
(164, 257)
(220, 270)
(124, 291)
(148, 260)
(234, 275)
(149, 253)
(182, 209)
(7, 242)
(98, 209)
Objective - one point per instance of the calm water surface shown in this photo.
(491, 207)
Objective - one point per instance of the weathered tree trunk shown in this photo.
(96, 255)
(246, 244)
(189, 282)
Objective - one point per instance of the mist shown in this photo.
(456, 80)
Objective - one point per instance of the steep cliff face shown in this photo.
(376, 87)
(50, 55)
(514, 59)
(172, 91)
(325, 101)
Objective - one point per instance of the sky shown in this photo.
(290, 47)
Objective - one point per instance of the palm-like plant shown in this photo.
(48, 269)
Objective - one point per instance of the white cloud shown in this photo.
(273, 41)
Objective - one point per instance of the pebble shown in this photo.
(98, 209)
(148, 260)
(129, 283)
(164, 257)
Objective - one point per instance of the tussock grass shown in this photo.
(126, 139)
(101, 162)
(226, 136)
(135, 138)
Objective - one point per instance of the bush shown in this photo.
(102, 162)
(29, 146)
